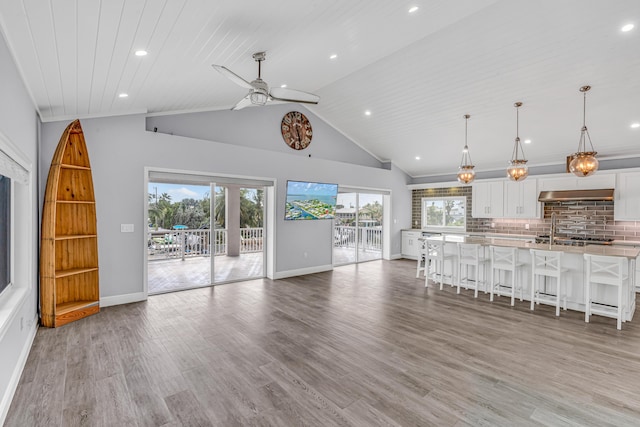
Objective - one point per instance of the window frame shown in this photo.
(23, 282)
(10, 227)
(423, 214)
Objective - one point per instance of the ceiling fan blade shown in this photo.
(244, 102)
(293, 95)
(232, 76)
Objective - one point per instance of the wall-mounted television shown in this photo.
(310, 200)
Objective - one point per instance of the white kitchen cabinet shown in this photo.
(410, 243)
(521, 199)
(487, 199)
(627, 197)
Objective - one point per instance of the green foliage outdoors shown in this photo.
(194, 214)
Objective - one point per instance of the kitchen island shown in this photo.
(573, 260)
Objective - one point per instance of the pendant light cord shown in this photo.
(517, 147)
(584, 110)
(584, 132)
(466, 156)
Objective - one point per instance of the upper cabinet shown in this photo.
(521, 199)
(627, 194)
(487, 199)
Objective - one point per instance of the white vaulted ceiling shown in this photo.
(417, 73)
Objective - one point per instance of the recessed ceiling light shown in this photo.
(635, 125)
(417, 157)
(413, 9)
(334, 56)
(141, 53)
(527, 141)
(367, 113)
(627, 27)
(283, 85)
(123, 95)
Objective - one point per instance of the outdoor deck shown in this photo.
(173, 274)
(180, 259)
(167, 275)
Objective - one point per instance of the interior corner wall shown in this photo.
(18, 126)
(120, 148)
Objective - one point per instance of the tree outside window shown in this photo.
(444, 212)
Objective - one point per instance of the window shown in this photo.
(444, 213)
(5, 232)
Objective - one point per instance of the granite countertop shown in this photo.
(606, 250)
(626, 242)
(476, 234)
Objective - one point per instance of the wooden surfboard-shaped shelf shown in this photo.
(69, 249)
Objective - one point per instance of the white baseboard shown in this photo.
(122, 299)
(302, 271)
(396, 256)
(17, 372)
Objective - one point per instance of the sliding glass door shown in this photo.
(239, 232)
(357, 228)
(204, 230)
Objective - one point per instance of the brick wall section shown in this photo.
(573, 218)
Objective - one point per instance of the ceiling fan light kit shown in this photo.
(466, 174)
(259, 91)
(517, 170)
(584, 162)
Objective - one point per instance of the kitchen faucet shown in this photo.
(552, 234)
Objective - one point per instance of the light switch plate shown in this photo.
(126, 228)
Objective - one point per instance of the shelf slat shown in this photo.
(76, 236)
(66, 166)
(68, 307)
(74, 271)
(77, 201)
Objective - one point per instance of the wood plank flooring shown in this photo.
(362, 345)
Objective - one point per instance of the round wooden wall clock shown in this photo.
(296, 130)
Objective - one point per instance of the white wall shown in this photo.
(18, 304)
(120, 148)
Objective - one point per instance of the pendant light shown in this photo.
(584, 162)
(465, 171)
(518, 170)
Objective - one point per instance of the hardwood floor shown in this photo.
(363, 345)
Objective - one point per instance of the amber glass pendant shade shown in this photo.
(518, 170)
(466, 174)
(584, 162)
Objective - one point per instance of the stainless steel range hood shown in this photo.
(576, 195)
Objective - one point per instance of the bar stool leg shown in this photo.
(587, 297)
(533, 290)
(513, 287)
(491, 282)
(476, 270)
(558, 296)
(619, 325)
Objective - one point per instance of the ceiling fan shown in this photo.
(259, 92)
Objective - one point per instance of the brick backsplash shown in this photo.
(573, 218)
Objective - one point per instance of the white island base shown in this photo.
(573, 280)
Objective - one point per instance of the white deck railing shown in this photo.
(250, 240)
(369, 238)
(192, 243)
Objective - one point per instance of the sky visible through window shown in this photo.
(179, 192)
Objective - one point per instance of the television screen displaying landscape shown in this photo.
(310, 200)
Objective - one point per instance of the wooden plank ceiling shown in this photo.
(417, 73)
